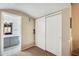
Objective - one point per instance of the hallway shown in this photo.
(21, 30)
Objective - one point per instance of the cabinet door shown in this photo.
(53, 34)
(40, 33)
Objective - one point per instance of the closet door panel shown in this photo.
(40, 33)
(53, 34)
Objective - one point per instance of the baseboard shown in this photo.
(28, 46)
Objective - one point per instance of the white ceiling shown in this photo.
(35, 9)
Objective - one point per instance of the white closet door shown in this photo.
(40, 32)
(53, 34)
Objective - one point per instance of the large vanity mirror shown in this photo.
(7, 28)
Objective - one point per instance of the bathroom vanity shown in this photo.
(10, 42)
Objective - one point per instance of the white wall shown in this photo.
(66, 32)
(27, 32)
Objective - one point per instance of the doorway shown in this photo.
(75, 29)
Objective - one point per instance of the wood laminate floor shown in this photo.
(75, 52)
(35, 51)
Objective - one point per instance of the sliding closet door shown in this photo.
(40, 32)
(53, 34)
